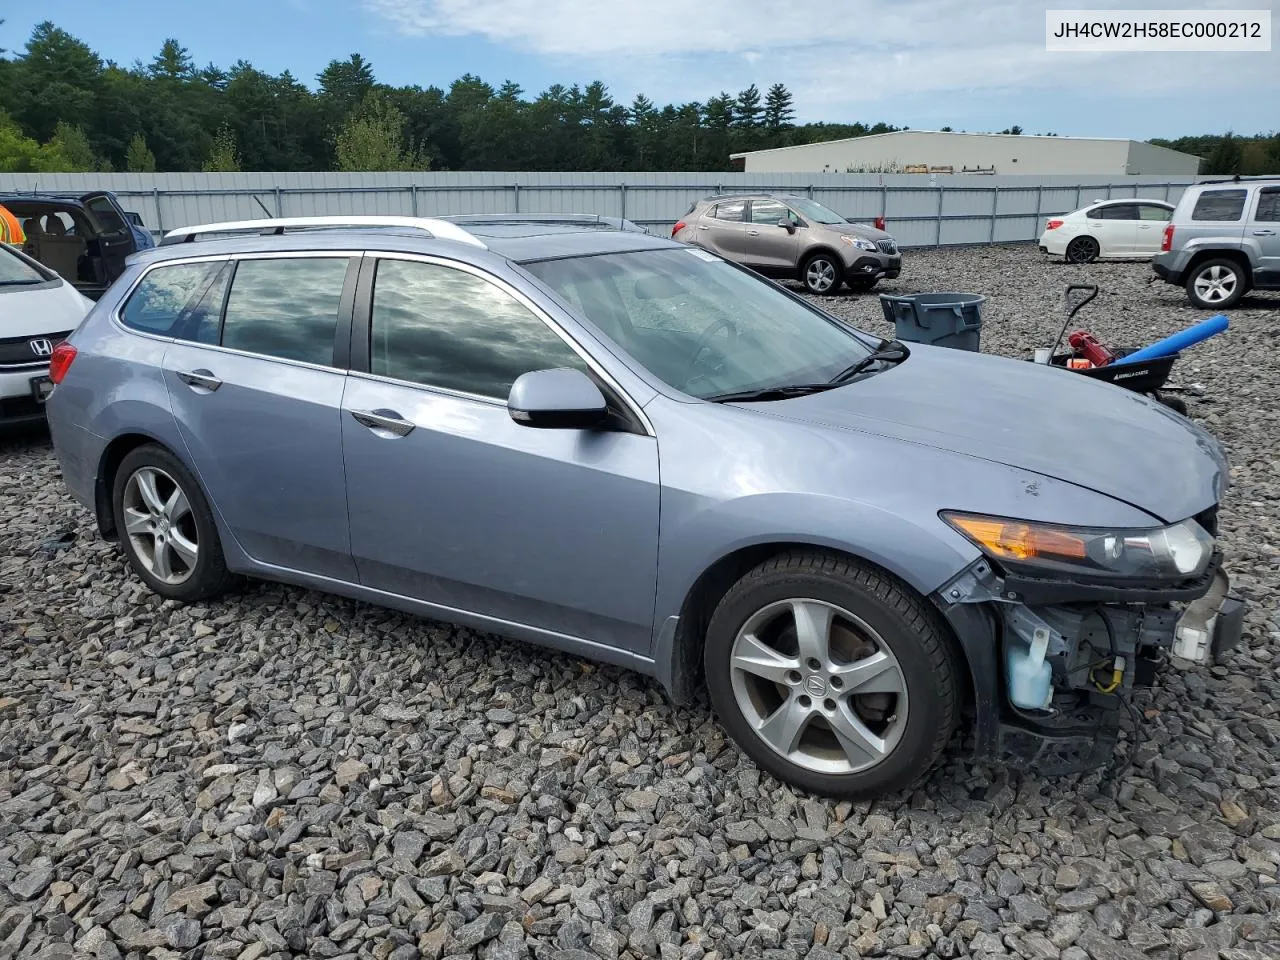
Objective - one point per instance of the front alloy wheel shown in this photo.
(832, 675)
(821, 275)
(819, 686)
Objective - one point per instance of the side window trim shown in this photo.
(362, 332)
(117, 312)
(183, 333)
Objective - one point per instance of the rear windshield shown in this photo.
(16, 272)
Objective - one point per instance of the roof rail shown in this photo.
(618, 223)
(1240, 179)
(434, 227)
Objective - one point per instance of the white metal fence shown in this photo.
(919, 209)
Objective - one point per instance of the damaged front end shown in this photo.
(1055, 657)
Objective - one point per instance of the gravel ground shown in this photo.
(283, 773)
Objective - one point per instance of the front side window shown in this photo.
(1151, 211)
(285, 308)
(1223, 206)
(1268, 205)
(769, 212)
(701, 325)
(442, 327)
(160, 301)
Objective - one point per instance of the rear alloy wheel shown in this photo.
(832, 676)
(821, 274)
(1082, 250)
(166, 527)
(1216, 284)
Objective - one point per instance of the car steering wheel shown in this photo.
(704, 341)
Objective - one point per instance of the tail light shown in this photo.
(879, 223)
(1053, 224)
(677, 228)
(1166, 244)
(60, 361)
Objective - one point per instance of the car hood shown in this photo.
(857, 230)
(1048, 421)
(41, 310)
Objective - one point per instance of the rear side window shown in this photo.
(1268, 205)
(1222, 206)
(286, 308)
(161, 300)
(1117, 211)
(732, 210)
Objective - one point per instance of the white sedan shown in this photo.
(37, 310)
(1107, 230)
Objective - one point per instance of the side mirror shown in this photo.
(563, 399)
(786, 224)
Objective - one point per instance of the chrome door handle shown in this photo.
(753, 233)
(1264, 233)
(203, 379)
(387, 420)
(703, 226)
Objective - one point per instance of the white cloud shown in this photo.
(832, 55)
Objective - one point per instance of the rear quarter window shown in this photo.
(1268, 205)
(1219, 206)
(164, 296)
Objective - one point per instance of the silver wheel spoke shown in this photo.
(874, 674)
(813, 630)
(176, 507)
(784, 727)
(184, 548)
(136, 522)
(150, 495)
(761, 660)
(161, 561)
(859, 744)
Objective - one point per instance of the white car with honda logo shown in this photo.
(38, 309)
(1107, 230)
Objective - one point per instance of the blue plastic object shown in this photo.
(942, 319)
(1029, 676)
(1179, 341)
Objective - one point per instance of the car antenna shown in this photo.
(258, 201)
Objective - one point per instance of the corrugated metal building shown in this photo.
(921, 151)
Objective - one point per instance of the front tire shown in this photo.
(832, 675)
(821, 274)
(166, 527)
(1216, 284)
(863, 286)
(1083, 249)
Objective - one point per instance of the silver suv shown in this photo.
(1223, 240)
(792, 238)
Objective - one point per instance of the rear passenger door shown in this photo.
(726, 231)
(255, 376)
(1264, 230)
(1115, 226)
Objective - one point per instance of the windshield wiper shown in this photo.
(770, 393)
(891, 351)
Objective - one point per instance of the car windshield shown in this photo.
(14, 271)
(812, 210)
(702, 325)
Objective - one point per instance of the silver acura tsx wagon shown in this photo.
(573, 433)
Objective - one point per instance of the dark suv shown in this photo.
(85, 238)
(791, 238)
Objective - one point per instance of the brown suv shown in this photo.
(792, 238)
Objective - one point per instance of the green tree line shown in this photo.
(64, 108)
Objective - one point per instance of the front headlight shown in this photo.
(862, 243)
(1177, 552)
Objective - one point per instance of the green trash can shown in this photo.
(941, 319)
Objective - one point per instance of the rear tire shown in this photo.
(1082, 249)
(1216, 284)
(821, 274)
(166, 527)
(832, 675)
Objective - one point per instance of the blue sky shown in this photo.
(922, 63)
